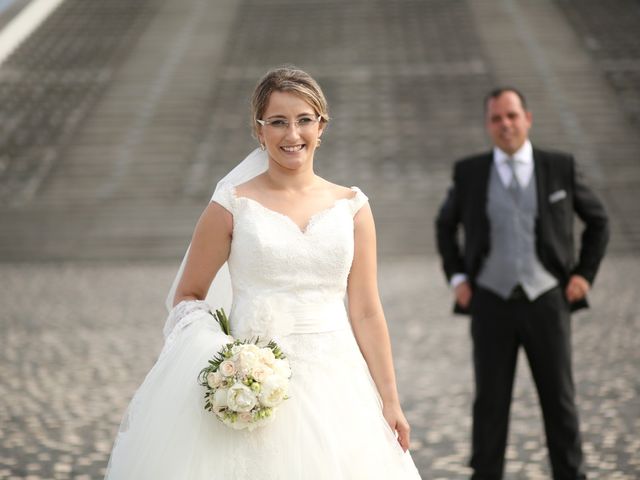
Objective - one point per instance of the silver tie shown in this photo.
(514, 185)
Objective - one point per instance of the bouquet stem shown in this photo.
(222, 320)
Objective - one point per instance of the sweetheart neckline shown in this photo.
(311, 219)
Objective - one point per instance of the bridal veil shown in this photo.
(220, 294)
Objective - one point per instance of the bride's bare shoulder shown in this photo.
(249, 187)
(339, 191)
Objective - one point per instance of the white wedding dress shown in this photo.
(289, 285)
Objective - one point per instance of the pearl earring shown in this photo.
(263, 147)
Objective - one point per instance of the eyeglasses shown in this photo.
(281, 124)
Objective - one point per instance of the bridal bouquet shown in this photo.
(246, 380)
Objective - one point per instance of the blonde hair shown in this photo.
(291, 80)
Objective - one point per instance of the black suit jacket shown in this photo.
(561, 193)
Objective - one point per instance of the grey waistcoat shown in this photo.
(512, 259)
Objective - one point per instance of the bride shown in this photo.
(295, 246)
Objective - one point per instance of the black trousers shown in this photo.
(543, 328)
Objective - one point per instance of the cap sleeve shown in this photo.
(224, 195)
(358, 200)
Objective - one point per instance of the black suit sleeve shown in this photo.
(595, 235)
(447, 224)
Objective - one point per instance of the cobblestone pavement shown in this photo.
(77, 339)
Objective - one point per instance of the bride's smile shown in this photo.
(293, 148)
(290, 130)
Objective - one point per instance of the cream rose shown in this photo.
(266, 356)
(260, 372)
(214, 379)
(227, 368)
(248, 358)
(245, 417)
(240, 398)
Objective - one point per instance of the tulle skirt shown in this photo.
(331, 428)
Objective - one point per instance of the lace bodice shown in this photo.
(287, 280)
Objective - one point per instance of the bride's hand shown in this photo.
(398, 423)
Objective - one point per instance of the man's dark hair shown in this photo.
(496, 92)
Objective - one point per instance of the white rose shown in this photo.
(281, 368)
(248, 358)
(214, 379)
(266, 356)
(274, 391)
(260, 372)
(240, 398)
(219, 399)
(251, 347)
(227, 368)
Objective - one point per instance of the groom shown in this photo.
(517, 276)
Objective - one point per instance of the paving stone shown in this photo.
(95, 330)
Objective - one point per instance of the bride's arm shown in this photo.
(369, 324)
(209, 250)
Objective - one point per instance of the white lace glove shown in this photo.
(180, 311)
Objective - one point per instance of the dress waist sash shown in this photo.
(281, 316)
(319, 318)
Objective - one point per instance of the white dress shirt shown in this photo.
(523, 164)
